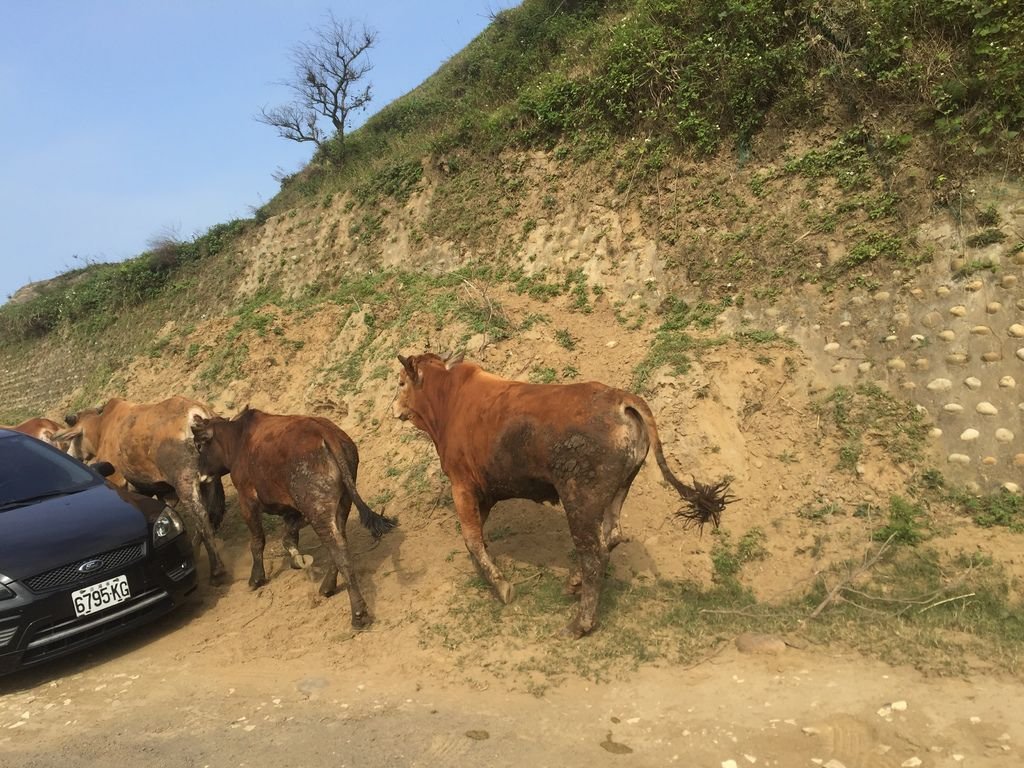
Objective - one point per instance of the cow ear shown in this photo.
(453, 359)
(71, 419)
(67, 435)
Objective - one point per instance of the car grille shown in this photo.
(69, 574)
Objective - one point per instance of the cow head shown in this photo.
(212, 461)
(83, 436)
(411, 403)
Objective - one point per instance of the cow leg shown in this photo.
(611, 533)
(212, 492)
(330, 583)
(198, 514)
(471, 519)
(251, 514)
(326, 527)
(292, 523)
(592, 553)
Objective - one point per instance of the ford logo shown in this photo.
(90, 565)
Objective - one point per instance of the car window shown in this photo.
(30, 469)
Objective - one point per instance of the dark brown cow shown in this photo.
(302, 468)
(581, 444)
(151, 447)
(41, 429)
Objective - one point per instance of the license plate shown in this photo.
(100, 596)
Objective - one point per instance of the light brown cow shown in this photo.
(302, 468)
(151, 447)
(581, 444)
(41, 429)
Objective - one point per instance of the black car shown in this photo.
(80, 560)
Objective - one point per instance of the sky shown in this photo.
(122, 121)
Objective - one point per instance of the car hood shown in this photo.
(64, 529)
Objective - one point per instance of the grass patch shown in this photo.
(672, 345)
(866, 415)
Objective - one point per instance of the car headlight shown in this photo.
(166, 527)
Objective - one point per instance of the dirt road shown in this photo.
(171, 696)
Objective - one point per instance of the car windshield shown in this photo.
(30, 470)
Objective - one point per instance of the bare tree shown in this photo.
(327, 83)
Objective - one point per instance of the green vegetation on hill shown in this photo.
(630, 85)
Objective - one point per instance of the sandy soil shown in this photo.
(225, 683)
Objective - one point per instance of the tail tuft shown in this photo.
(376, 524)
(706, 503)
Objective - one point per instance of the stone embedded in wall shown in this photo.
(958, 311)
(947, 335)
(1017, 331)
(953, 408)
(970, 434)
(1008, 382)
(940, 385)
(959, 458)
(972, 382)
(986, 409)
(993, 307)
(1004, 435)
(957, 358)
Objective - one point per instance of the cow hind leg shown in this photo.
(253, 517)
(592, 553)
(330, 583)
(197, 513)
(290, 541)
(326, 527)
(611, 537)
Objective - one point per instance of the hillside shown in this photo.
(811, 274)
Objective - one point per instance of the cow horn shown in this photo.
(453, 359)
(407, 364)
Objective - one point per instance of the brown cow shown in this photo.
(151, 447)
(581, 444)
(41, 429)
(301, 467)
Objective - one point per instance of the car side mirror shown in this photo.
(105, 468)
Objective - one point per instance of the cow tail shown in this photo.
(705, 502)
(375, 523)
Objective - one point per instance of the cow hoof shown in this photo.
(505, 591)
(216, 579)
(328, 591)
(361, 620)
(301, 562)
(256, 583)
(574, 630)
(573, 586)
